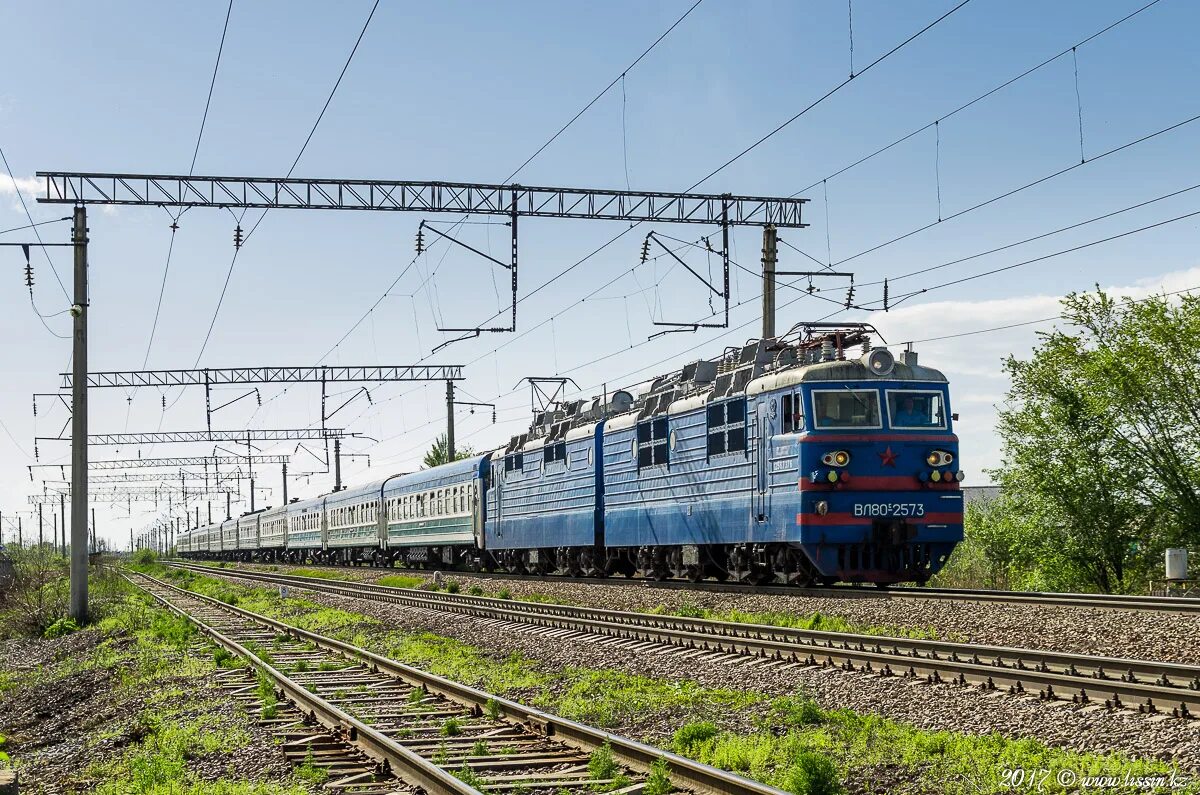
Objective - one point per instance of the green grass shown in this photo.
(401, 581)
(320, 574)
(795, 745)
(158, 675)
(810, 621)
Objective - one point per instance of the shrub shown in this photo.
(504, 593)
(475, 590)
(659, 780)
(812, 774)
(452, 586)
(145, 557)
(452, 727)
(602, 764)
(492, 709)
(62, 626)
(689, 737)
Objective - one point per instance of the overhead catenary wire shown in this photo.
(826, 96)
(561, 274)
(1000, 87)
(191, 170)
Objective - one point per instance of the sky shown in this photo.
(464, 91)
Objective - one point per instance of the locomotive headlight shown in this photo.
(836, 458)
(939, 458)
(821, 507)
(832, 476)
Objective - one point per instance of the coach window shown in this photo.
(726, 427)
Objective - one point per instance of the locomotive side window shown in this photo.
(652, 442)
(726, 427)
(846, 408)
(514, 462)
(916, 409)
(556, 451)
(793, 413)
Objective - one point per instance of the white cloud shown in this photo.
(973, 363)
(30, 186)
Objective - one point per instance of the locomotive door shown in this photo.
(762, 460)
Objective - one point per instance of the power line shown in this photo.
(603, 91)
(1014, 191)
(619, 78)
(826, 96)
(329, 99)
(34, 225)
(978, 99)
(191, 169)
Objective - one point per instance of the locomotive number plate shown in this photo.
(889, 509)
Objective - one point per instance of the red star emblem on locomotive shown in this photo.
(887, 457)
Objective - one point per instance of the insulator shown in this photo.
(35, 451)
(645, 249)
(28, 275)
(885, 295)
(420, 239)
(850, 296)
(237, 236)
(258, 397)
(164, 401)
(35, 407)
(493, 415)
(369, 401)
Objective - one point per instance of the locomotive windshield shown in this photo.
(846, 408)
(910, 409)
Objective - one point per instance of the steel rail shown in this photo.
(1147, 685)
(406, 764)
(691, 775)
(1157, 604)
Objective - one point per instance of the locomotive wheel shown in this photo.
(694, 573)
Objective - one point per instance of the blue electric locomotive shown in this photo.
(783, 460)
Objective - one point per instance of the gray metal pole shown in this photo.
(62, 512)
(131, 546)
(228, 505)
(40, 539)
(285, 502)
(770, 255)
(210, 511)
(449, 420)
(20, 533)
(337, 464)
(94, 545)
(79, 425)
(251, 495)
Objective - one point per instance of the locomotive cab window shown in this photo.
(846, 408)
(652, 442)
(922, 409)
(726, 427)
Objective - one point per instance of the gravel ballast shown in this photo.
(934, 707)
(1168, 637)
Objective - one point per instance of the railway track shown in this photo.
(1157, 604)
(1110, 682)
(386, 727)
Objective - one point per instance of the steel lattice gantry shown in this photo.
(191, 461)
(63, 187)
(166, 190)
(269, 375)
(168, 437)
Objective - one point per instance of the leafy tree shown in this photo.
(436, 456)
(1101, 440)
